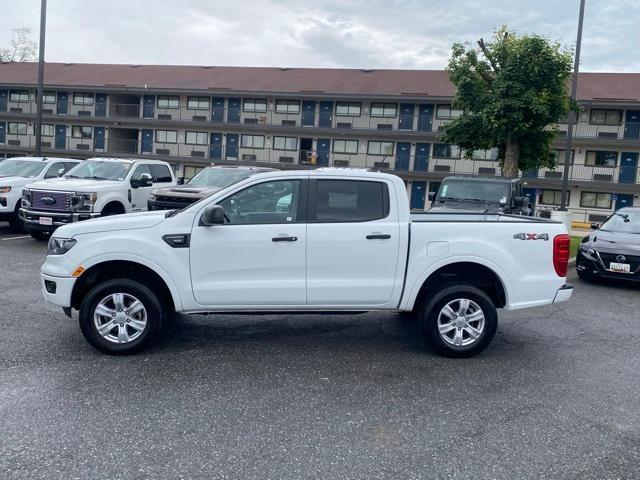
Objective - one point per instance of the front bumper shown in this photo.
(31, 218)
(594, 266)
(57, 290)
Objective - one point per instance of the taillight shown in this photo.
(561, 248)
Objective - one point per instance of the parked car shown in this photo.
(97, 187)
(205, 183)
(612, 250)
(17, 172)
(334, 240)
(479, 194)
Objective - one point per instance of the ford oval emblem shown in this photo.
(48, 200)
(621, 259)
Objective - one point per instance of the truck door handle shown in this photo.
(378, 236)
(284, 239)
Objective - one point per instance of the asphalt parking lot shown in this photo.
(557, 394)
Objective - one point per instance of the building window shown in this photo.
(285, 143)
(252, 141)
(489, 155)
(348, 109)
(197, 138)
(81, 132)
(601, 158)
(191, 171)
(49, 97)
(287, 106)
(552, 197)
(83, 99)
(166, 136)
(605, 117)
(380, 148)
(345, 146)
(46, 130)
(19, 96)
(15, 128)
(447, 111)
(258, 105)
(595, 200)
(198, 103)
(383, 109)
(560, 157)
(168, 101)
(444, 150)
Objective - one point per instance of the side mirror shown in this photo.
(432, 196)
(212, 215)
(519, 201)
(180, 181)
(144, 181)
(595, 226)
(61, 172)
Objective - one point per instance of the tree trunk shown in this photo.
(511, 159)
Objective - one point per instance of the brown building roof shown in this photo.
(432, 83)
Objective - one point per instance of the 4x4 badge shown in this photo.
(531, 236)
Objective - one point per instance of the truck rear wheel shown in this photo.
(120, 316)
(459, 321)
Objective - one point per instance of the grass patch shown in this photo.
(575, 243)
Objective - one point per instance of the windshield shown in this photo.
(623, 222)
(486, 191)
(21, 168)
(100, 170)
(219, 177)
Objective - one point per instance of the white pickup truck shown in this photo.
(98, 187)
(17, 172)
(334, 240)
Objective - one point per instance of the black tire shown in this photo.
(155, 315)
(585, 276)
(433, 307)
(40, 235)
(16, 221)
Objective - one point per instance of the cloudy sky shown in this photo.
(321, 33)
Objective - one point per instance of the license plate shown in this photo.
(620, 267)
(46, 221)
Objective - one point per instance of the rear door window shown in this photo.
(351, 201)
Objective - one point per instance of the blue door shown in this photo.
(147, 141)
(323, 148)
(623, 201)
(3, 132)
(308, 113)
(232, 146)
(3, 100)
(215, 147)
(421, 162)
(233, 115)
(406, 116)
(63, 103)
(101, 104)
(418, 194)
(425, 117)
(61, 136)
(217, 109)
(403, 155)
(632, 124)
(98, 138)
(148, 106)
(326, 114)
(531, 197)
(628, 167)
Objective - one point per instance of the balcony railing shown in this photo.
(399, 162)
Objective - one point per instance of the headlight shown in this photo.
(5, 189)
(588, 251)
(60, 246)
(88, 198)
(26, 198)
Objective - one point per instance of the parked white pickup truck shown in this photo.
(17, 172)
(324, 240)
(98, 187)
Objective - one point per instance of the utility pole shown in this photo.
(572, 113)
(40, 90)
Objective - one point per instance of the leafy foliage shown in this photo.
(513, 90)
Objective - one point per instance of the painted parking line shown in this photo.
(16, 238)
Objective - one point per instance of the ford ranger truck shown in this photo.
(17, 172)
(98, 187)
(330, 240)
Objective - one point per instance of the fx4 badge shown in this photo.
(531, 236)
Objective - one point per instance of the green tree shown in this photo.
(21, 47)
(513, 90)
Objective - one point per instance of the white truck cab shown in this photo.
(98, 187)
(17, 172)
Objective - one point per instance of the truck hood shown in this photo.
(15, 181)
(187, 191)
(467, 207)
(130, 221)
(614, 242)
(76, 185)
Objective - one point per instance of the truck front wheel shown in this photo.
(459, 321)
(120, 316)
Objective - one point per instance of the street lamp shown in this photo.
(40, 89)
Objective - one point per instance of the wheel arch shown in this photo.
(114, 206)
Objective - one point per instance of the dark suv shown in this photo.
(479, 194)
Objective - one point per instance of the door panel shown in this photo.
(217, 109)
(628, 167)
(232, 146)
(323, 149)
(148, 106)
(425, 117)
(326, 114)
(215, 150)
(405, 121)
(308, 113)
(101, 104)
(418, 195)
(624, 200)
(140, 196)
(632, 124)
(3, 132)
(233, 114)
(421, 161)
(403, 155)
(147, 141)
(3, 100)
(98, 138)
(63, 103)
(61, 137)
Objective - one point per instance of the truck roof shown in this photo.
(130, 160)
(329, 172)
(473, 178)
(44, 159)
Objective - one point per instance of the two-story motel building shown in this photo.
(192, 116)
